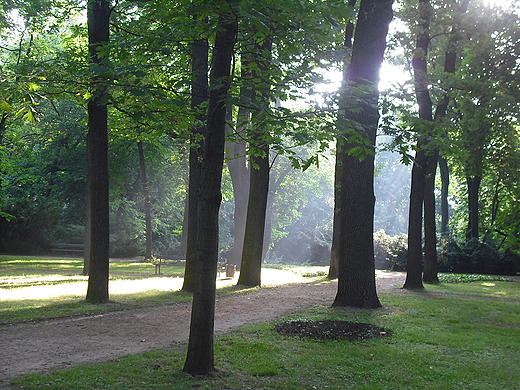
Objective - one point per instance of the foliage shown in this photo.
(390, 252)
(467, 278)
(476, 256)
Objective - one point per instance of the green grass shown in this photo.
(460, 334)
(437, 343)
(24, 267)
(17, 272)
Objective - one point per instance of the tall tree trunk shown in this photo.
(473, 184)
(200, 356)
(239, 173)
(338, 173)
(200, 93)
(430, 234)
(414, 265)
(86, 238)
(251, 262)
(445, 182)
(147, 203)
(98, 17)
(356, 282)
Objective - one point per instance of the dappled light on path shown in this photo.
(53, 286)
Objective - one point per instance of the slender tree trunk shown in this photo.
(338, 173)
(98, 17)
(86, 239)
(200, 356)
(414, 265)
(239, 173)
(147, 203)
(430, 234)
(419, 63)
(473, 184)
(183, 240)
(445, 182)
(251, 263)
(356, 282)
(200, 93)
(336, 223)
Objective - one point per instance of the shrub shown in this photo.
(476, 256)
(390, 252)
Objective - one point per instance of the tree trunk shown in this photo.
(199, 69)
(356, 282)
(147, 203)
(336, 238)
(251, 264)
(86, 239)
(200, 356)
(414, 265)
(430, 234)
(239, 173)
(420, 68)
(445, 182)
(473, 184)
(98, 17)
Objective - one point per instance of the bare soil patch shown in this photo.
(64, 342)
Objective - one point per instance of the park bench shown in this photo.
(68, 249)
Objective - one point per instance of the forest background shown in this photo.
(45, 90)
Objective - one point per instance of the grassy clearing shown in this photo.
(33, 288)
(437, 343)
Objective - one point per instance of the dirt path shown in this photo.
(65, 342)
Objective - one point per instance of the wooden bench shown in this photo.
(68, 249)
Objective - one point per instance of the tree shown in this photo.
(358, 124)
(98, 19)
(200, 356)
(252, 253)
(199, 97)
(414, 265)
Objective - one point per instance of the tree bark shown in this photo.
(414, 264)
(356, 282)
(200, 356)
(445, 182)
(98, 17)
(473, 184)
(200, 93)
(338, 173)
(239, 173)
(430, 234)
(147, 203)
(251, 262)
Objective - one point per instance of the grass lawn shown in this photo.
(436, 343)
(451, 336)
(33, 288)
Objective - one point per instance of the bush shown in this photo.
(479, 257)
(390, 252)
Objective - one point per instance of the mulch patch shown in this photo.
(331, 330)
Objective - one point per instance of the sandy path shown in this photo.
(58, 343)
